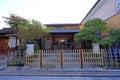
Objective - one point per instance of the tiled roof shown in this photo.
(66, 24)
(6, 30)
(8, 35)
(60, 30)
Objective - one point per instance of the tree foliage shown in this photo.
(91, 30)
(32, 30)
(26, 29)
(14, 20)
(114, 35)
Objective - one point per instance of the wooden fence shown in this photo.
(111, 58)
(80, 58)
(65, 58)
(14, 58)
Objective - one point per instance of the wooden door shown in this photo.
(2, 46)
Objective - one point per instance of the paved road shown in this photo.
(55, 78)
(84, 74)
(14, 74)
(3, 61)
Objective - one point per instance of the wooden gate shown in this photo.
(52, 59)
(44, 59)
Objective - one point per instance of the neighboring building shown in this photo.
(8, 40)
(62, 36)
(109, 11)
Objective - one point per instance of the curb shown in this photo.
(65, 75)
(25, 71)
(3, 67)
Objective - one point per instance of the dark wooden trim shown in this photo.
(81, 57)
(61, 35)
(62, 59)
(41, 56)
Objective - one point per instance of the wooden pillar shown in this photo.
(82, 58)
(102, 56)
(58, 43)
(74, 46)
(41, 58)
(62, 58)
(83, 44)
(51, 41)
(26, 58)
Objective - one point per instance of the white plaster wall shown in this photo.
(104, 10)
(107, 10)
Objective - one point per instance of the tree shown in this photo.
(114, 35)
(14, 20)
(91, 30)
(32, 30)
(28, 30)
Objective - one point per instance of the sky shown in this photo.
(46, 11)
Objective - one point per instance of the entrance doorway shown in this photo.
(62, 43)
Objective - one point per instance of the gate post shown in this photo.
(102, 56)
(41, 56)
(62, 58)
(26, 59)
(81, 58)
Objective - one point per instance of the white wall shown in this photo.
(12, 42)
(104, 10)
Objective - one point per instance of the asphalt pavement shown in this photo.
(17, 73)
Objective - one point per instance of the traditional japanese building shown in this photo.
(8, 40)
(62, 36)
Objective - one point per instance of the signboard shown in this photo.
(30, 49)
(96, 48)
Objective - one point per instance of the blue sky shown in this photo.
(46, 11)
